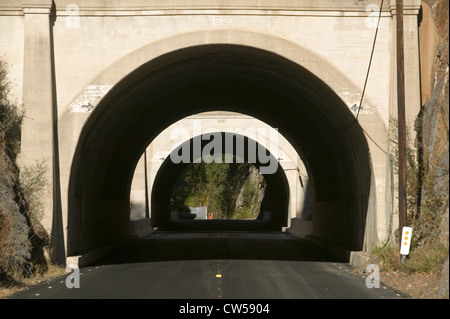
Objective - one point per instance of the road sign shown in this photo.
(405, 240)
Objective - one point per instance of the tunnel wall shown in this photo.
(232, 78)
(196, 124)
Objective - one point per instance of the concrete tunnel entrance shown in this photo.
(272, 217)
(204, 78)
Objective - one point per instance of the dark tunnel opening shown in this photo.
(274, 213)
(218, 77)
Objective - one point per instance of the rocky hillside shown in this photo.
(21, 247)
(433, 124)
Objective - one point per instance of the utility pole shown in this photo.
(402, 187)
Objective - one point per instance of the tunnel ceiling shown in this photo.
(219, 77)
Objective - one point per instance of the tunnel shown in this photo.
(272, 217)
(227, 77)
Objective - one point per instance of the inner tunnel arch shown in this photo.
(228, 122)
(277, 187)
(202, 78)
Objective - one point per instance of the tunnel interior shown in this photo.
(274, 213)
(205, 78)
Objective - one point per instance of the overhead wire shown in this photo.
(367, 78)
(363, 90)
(370, 60)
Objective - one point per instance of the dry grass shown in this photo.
(419, 277)
(22, 283)
(416, 285)
(428, 258)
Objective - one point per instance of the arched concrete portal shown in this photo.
(210, 77)
(228, 122)
(277, 185)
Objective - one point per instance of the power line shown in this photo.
(367, 78)
(363, 91)
(376, 144)
(370, 59)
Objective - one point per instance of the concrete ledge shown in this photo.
(138, 228)
(141, 227)
(354, 258)
(89, 257)
(300, 228)
(359, 258)
(339, 252)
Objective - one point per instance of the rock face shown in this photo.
(434, 123)
(15, 246)
(434, 115)
(22, 238)
(251, 193)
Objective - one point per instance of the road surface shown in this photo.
(217, 265)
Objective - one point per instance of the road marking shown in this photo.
(219, 276)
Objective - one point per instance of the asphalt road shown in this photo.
(215, 265)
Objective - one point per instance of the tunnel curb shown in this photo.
(339, 252)
(92, 256)
(353, 257)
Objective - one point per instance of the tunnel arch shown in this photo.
(277, 187)
(227, 122)
(202, 78)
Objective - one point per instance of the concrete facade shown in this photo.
(195, 125)
(67, 57)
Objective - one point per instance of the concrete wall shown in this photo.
(93, 45)
(194, 125)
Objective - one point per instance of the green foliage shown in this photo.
(248, 195)
(191, 187)
(219, 190)
(11, 115)
(34, 183)
(216, 185)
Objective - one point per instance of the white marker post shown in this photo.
(405, 242)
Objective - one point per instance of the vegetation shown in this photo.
(426, 258)
(229, 190)
(15, 246)
(21, 238)
(11, 116)
(425, 210)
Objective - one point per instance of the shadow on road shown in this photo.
(171, 246)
